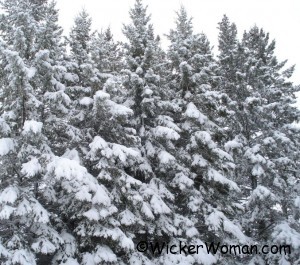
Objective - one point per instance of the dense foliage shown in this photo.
(106, 144)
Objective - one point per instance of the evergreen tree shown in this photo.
(272, 147)
(29, 230)
(83, 73)
(196, 79)
(80, 38)
(82, 76)
(264, 134)
(153, 112)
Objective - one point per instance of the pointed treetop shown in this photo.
(141, 39)
(184, 23)
(108, 36)
(227, 35)
(258, 41)
(138, 14)
(184, 27)
(80, 36)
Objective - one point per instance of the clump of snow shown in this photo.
(4, 127)
(218, 177)
(165, 158)
(32, 126)
(31, 72)
(168, 122)
(231, 145)
(268, 140)
(129, 181)
(71, 77)
(252, 100)
(76, 179)
(9, 195)
(199, 161)
(65, 168)
(214, 219)
(86, 101)
(148, 92)
(254, 156)
(261, 193)
(43, 245)
(146, 209)
(98, 144)
(191, 232)
(83, 194)
(158, 206)
(58, 96)
(24, 257)
(104, 255)
(118, 109)
(233, 229)
(126, 243)
(6, 145)
(123, 152)
(23, 208)
(6, 212)
(193, 112)
(111, 150)
(139, 71)
(257, 170)
(282, 137)
(205, 138)
(185, 67)
(72, 155)
(92, 214)
(127, 218)
(222, 154)
(182, 181)
(170, 134)
(101, 196)
(31, 168)
(101, 95)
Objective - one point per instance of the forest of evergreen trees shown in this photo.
(105, 144)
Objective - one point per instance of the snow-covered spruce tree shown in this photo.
(267, 138)
(28, 234)
(230, 60)
(272, 146)
(83, 81)
(49, 81)
(227, 57)
(153, 119)
(35, 108)
(196, 78)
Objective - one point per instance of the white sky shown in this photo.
(281, 18)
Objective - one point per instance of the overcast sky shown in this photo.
(281, 18)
